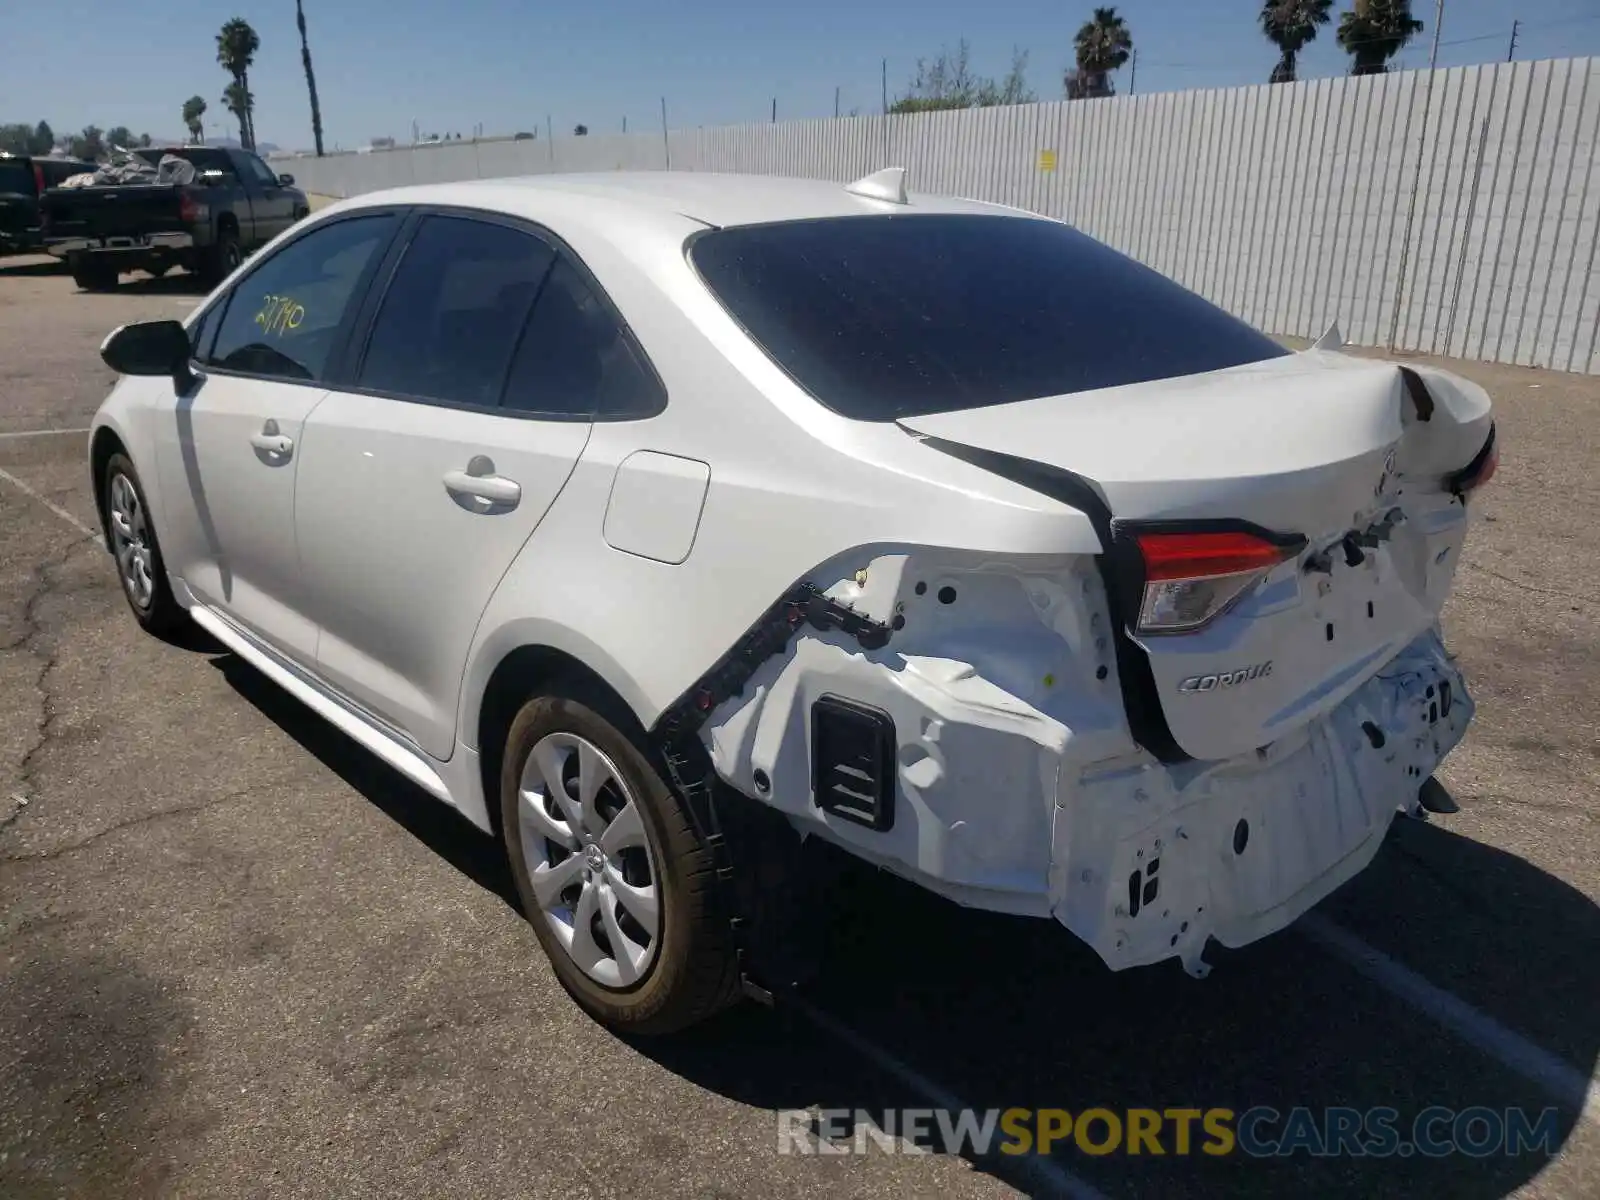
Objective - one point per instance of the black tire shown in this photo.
(693, 974)
(223, 258)
(160, 614)
(94, 277)
(157, 270)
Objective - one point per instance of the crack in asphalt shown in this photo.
(41, 588)
(130, 823)
(1528, 587)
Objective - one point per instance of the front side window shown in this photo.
(283, 319)
(259, 169)
(454, 312)
(887, 317)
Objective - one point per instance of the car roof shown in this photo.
(714, 199)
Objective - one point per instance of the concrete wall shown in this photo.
(1451, 212)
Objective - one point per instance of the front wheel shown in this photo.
(616, 882)
(140, 568)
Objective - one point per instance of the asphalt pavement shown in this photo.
(241, 958)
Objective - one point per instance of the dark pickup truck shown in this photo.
(23, 180)
(235, 205)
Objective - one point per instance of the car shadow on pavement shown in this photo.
(435, 824)
(1004, 1013)
(31, 267)
(178, 283)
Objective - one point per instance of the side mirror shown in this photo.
(286, 180)
(148, 348)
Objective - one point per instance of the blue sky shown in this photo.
(506, 64)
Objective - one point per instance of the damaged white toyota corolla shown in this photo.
(624, 512)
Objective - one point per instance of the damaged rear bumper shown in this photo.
(1003, 806)
(1149, 862)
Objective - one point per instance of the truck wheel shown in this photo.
(94, 277)
(616, 882)
(224, 258)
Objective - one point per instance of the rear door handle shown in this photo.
(479, 483)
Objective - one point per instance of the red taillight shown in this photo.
(1192, 555)
(1192, 577)
(188, 209)
(38, 179)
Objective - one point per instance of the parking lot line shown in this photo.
(35, 433)
(47, 502)
(1048, 1175)
(1565, 1083)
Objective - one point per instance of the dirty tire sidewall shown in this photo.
(693, 974)
(164, 615)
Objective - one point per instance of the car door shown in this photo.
(228, 450)
(426, 473)
(274, 203)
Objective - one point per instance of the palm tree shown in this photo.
(311, 79)
(1103, 44)
(237, 44)
(237, 100)
(1291, 25)
(193, 109)
(1374, 31)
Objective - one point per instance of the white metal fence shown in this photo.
(1450, 212)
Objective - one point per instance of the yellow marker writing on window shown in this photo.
(279, 314)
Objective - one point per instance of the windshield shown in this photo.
(887, 317)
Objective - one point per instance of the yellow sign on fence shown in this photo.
(1047, 160)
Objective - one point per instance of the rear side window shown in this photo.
(454, 312)
(283, 318)
(888, 317)
(576, 360)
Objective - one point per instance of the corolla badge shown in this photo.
(1225, 679)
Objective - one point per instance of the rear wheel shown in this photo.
(224, 258)
(611, 873)
(93, 276)
(133, 543)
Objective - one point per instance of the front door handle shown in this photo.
(270, 441)
(478, 487)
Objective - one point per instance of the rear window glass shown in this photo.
(887, 317)
(201, 158)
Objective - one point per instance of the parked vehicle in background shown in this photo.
(23, 180)
(1069, 595)
(235, 205)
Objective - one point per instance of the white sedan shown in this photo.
(627, 512)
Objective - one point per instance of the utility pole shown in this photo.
(550, 135)
(774, 110)
(1133, 79)
(1438, 26)
(886, 87)
(1511, 52)
(666, 145)
(624, 124)
(836, 102)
